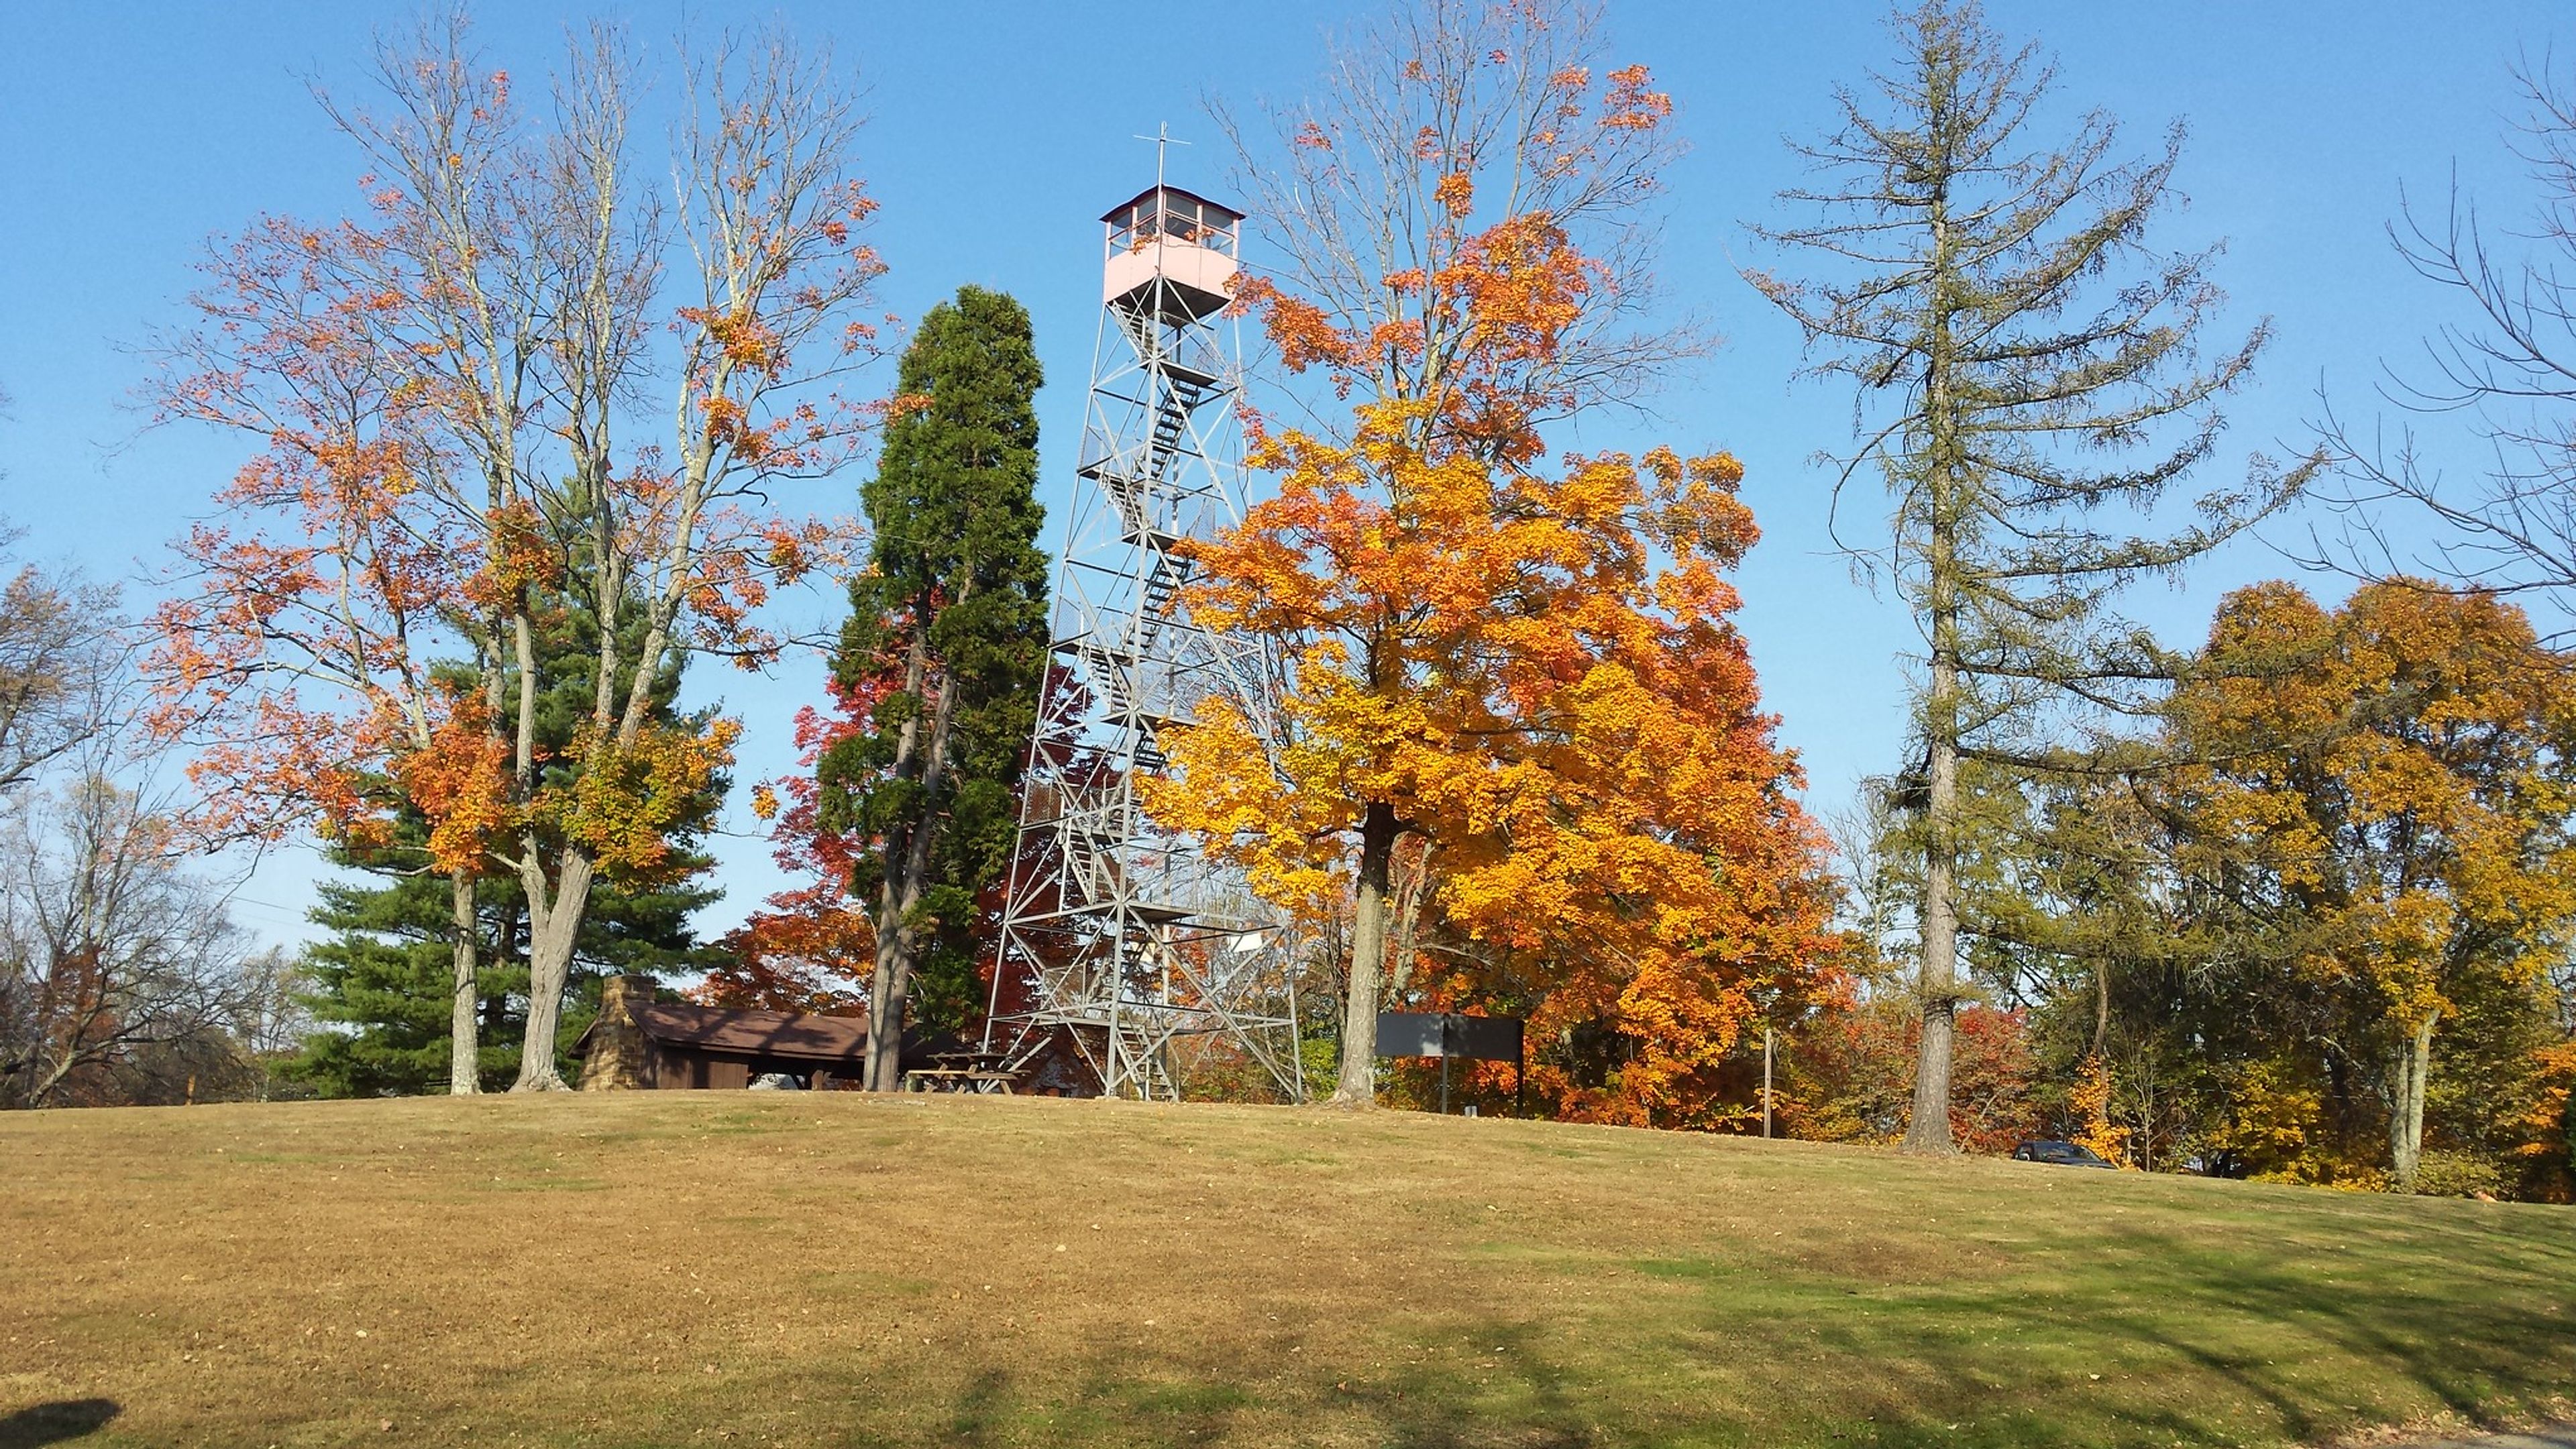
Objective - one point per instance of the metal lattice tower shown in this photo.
(1124, 937)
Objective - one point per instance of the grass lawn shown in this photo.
(750, 1268)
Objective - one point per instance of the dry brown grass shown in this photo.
(682, 1268)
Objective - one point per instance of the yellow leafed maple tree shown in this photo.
(2394, 778)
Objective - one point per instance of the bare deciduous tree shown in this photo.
(108, 945)
(1431, 125)
(2506, 369)
(269, 1019)
(60, 652)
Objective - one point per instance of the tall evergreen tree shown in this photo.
(2026, 365)
(951, 615)
(382, 983)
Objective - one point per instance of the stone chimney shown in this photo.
(620, 1058)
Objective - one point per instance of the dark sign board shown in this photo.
(1447, 1034)
(1409, 1034)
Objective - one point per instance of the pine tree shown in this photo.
(951, 615)
(2034, 365)
(380, 988)
(384, 981)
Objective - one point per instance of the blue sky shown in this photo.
(132, 133)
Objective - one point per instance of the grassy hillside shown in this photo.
(831, 1270)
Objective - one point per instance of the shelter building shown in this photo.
(638, 1043)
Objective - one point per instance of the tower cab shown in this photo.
(1187, 242)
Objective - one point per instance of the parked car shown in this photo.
(2062, 1154)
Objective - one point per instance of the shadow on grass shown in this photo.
(981, 1410)
(55, 1423)
(2099, 1336)
(2163, 1336)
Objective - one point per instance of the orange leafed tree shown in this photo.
(454, 400)
(1517, 671)
(300, 658)
(2546, 1154)
(1848, 1070)
(1531, 669)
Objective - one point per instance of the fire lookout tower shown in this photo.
(1116, 933)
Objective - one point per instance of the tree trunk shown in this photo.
(1766, 1080)
(1929, 1128)
(2406, 1119)
(462, 1027)
(2146, 1138)
(889, 986)
(1408, 918)
(553, 928)
(1358, 1084)
(921, 753)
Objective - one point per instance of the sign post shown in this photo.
(1766, 1079)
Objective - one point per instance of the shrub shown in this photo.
(2458, 1174)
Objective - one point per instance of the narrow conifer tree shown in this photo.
(951, 614)
(2026, 365)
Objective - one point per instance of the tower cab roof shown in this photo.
(1217, 213)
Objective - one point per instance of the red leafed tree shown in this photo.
(811, 947)
(454, 401)
(1848, 1075)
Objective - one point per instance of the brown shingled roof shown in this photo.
(791, 1036)
(755, 1033)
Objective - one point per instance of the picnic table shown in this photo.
(982, 1073)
